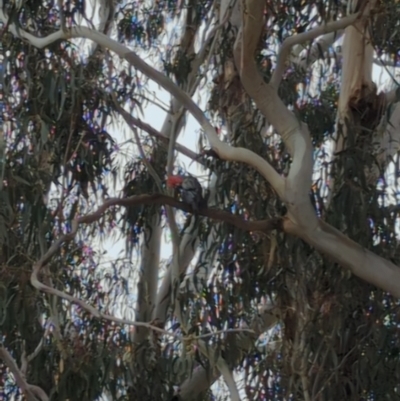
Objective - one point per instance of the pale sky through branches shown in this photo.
(110, 249)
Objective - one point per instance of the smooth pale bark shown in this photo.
(150, 250)
(156, 302)
(224, 150)
(32, 392)
(356, 79)
(360, 261)
(189, 242)
(269, 104)
(294, 189)
(358, 55)
(294, 135)
(148, 279)
(301, 220)
(304, 58)
(285, 49)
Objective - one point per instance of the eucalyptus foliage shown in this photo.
(61, 159)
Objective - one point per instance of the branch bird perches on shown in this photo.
(301, 220)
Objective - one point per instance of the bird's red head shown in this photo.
(174, 180)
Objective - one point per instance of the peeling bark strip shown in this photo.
(358, 91)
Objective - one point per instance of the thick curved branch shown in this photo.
(270, 104)
(361, 262)
(302, 220)
(224, 150)
(32, 392)
(305, 57)
(289, 42)
(294, 134)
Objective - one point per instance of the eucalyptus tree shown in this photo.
(285, 286)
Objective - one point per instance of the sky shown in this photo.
(189, 138)
(155, 116)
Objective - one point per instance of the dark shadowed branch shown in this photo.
(261, 225)
(215, 214)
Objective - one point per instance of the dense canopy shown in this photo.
(285, 286)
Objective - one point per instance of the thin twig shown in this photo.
(152, 172)
(134, 200)
(133, 121)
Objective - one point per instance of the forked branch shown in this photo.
(384, 274)
(224, 150)
(33, 393)
(263, 225)
(303, 37)
(301, 220)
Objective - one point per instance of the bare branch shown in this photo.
(215, 214)
(294, 190)
(392, 96)
(30, 390)
(362, 262)
(133, 121)
(224, 150)
(301, 220)
(304, 57)
(295, 135)
(223, 368)
(131, 201)
(287, 44)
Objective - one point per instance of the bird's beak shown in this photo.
(173, 181)
(170, 183)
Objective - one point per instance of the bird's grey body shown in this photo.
(190, 190)
(192, 193)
